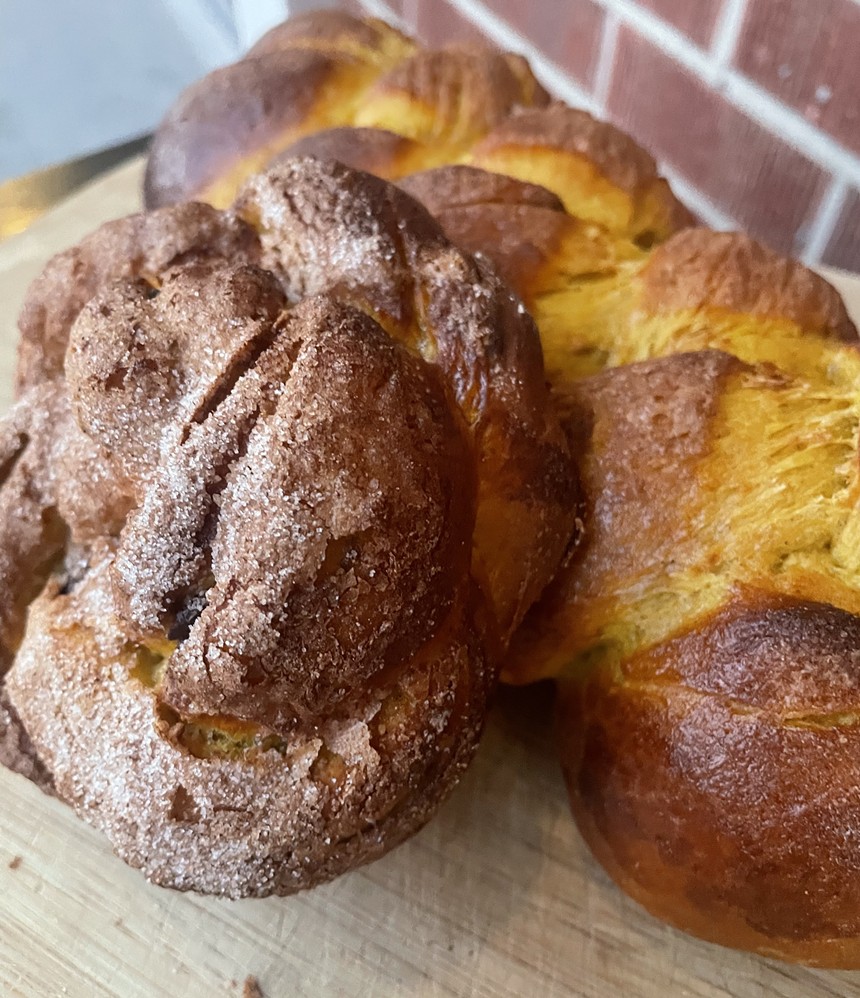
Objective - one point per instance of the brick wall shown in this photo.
(752, 106)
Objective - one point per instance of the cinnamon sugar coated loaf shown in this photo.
(291, 478)
(279, 664)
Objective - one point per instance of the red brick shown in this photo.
(767, 186)
(440, 24)
(568, 31)
(844, 247)
(696, 18)
(806, 52)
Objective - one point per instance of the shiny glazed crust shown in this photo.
(706, 647)
(330, 85)
(305, 495)
(703, 632)
(600, 172)
(327, 70)
(723, 798)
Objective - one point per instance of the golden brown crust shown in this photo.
(448, 188)
(704, 637)
(310, 492)
(409, 108)
(244, 106)
(587, 162)
(641, 431)
(698, 269)
(721, 795)
(655, 421)
(799, 659)
(305, 74)
(374, 150)
(467, 90)
(600, 301)
(566, 129)
(322, 72)
(518, 226)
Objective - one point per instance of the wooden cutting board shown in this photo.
(497, 896)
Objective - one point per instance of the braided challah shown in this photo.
(704, 636)
(323, 70)
(330, 85)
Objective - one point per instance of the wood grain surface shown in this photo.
(497, 896)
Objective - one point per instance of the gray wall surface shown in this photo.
(80, 75)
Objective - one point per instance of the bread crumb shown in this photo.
(252, 988)
(15, 862)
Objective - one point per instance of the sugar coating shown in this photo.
(292, 490)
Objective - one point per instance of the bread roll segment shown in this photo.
(600, 173)
(704, 641)
(306, 74)
(209, 804)
(141, 246)
(327, 70)
(717, 776)
(601, 301)
(330, 85)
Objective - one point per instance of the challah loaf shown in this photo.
(704, 634)
(323, 70)
(264, 649)
(330, 85)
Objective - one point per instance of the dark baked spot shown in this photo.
(191, 608)
(183, 807)
(251, 988)
(646, 240)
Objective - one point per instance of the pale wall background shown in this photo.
(79, 75)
